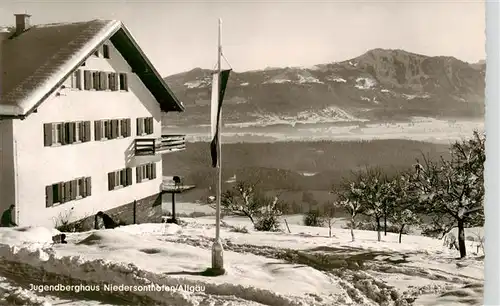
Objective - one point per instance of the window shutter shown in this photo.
(86, 135)
(67, 191)
(105, 51)
(125, 82)
(110, 81)
(78, 79)
(116, 81)
(81, 186)
(107, 129)
(151, 125)
(48, 196)
(123, 177)
(81, 131)
(129, 176)
(140, 173)
(87, 79)
(73, 189)
(146, 126)
(63, 133)
(128, 129)
(103, 80)
(140, 126)
(60, 192)
(137, 174)
(153, 171)
(47, 134)
(114, 128)
(98, 129)
(113, 84)
(97, 83)
(70, 132)
(88, 186)
(111, 181)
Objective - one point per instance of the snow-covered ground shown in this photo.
(166, 264)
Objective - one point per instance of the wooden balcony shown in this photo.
(155, 146)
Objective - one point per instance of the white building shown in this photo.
(80, 122)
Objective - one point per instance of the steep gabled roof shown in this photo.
(37, 62)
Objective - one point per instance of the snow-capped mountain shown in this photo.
(378, 85)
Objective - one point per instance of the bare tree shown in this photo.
(454, 188)
(372, 189)
(350, 202)
(404, 202)
(242, 200)
(329, 214)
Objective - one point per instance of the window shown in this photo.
(63, 192)
(119, 179)
(113, 81)
(103, 81)
(145, 172)
(123, 81)
(87, 80)
(63, 133)
(96, 80)
(112, 129)
(100, 80)
(105, 51)
(145, 126)
(76, 79)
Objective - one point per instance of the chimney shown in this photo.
(22, 23)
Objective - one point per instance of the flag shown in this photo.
(215, 110)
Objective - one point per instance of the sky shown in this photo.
(178, 36)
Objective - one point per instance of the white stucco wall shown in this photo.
(7, 160)
(38, 166)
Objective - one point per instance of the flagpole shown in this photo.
(217, 249)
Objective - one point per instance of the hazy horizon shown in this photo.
(180, 36)
(341, 60)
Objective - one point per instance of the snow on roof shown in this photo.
(36, 61)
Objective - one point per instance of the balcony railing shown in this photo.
(165, 144)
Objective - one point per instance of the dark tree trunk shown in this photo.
(353, 224)
(461, 239)
(249, 216)
(385, 220)
(401, 232)
(378, 229)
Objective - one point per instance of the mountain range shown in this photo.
(379, 85)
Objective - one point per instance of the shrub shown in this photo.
(268, 223)
(239, 229)
(63, 224)
(313, 218)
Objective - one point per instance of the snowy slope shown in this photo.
(304, 267)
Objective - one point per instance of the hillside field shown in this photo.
(293, 168)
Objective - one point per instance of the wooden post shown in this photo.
(173, 206)
(134, 211)
(288, 227)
